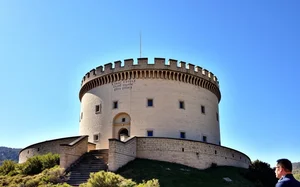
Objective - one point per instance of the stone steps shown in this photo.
(91, 162)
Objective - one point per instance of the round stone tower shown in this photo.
(157, 99)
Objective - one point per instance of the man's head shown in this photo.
(283, 167)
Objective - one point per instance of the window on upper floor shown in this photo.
(123, 119)
(150, 102)
(182, 135)
(149, 133)
(181, 105)
(115, 104)
(98, 109)
(202, 109)
(217, 116)
(204, 139)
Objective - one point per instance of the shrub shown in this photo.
(261, 174)
(54, 175)
(109, 179)
(32, 182)
(103, 179)
(150, 183)
(7, 167)
(49, 160)
(32, 166)
(37, 164)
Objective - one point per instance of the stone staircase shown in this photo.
(93, 161)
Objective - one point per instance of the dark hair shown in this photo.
(285, 163)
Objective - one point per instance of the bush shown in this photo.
(37, 164)
(150, 183)
(49, 160)
(109, 179)
(54, 175)
(7, 167)
(261, 174)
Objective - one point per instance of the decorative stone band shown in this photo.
(199, 77)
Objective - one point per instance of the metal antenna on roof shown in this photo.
(140, 44)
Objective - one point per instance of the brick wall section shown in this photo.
(120, 153)
(187, 152)
(73, 151)
(50, 146)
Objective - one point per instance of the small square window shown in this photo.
(123, 119)
(202, 109)
(115, 104)
(150, 133)
(204, 138)
(182, 135)
(181, 104)
(150, 102)
(96, 137)
(98, 109)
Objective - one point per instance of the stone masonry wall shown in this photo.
(187, 152)
(191, 153)
(50, 146)
(69, 153)
(120, 153)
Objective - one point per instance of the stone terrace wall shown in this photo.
(71, 152)
(191, 153)
(120, 153)
(187, 152)
(50, 146)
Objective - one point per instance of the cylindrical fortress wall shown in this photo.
(159, 103)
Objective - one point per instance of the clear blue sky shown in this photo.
(252, 46)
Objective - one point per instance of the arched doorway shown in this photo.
(121, 126)
(123, 134)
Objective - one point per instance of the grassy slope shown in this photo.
(175, 175)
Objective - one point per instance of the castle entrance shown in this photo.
(123, 134)
(121, 126)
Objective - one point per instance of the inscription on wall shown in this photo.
(123, 85)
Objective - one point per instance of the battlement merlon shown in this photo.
(142, 64)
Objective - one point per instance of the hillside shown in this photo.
(296, 170)
(296, 166)
(175, 175)
(7, 153)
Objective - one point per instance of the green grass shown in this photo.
(176, 175)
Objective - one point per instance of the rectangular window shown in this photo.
(123, 119)
(181, 104)
(217, 116)
(182, 134)
(150, 102)
(98, 109)
(202, 109)
(204, 138)
(115, 104)
(81, 115)
(96, 137)
(150, 133)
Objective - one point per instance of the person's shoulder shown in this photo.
(288, 182)
(282, 183)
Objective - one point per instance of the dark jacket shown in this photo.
(288, 181)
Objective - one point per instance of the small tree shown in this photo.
(261, 174)
(7, 167)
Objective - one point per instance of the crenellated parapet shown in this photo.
(172, 70)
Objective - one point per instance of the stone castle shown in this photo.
(160, 111)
